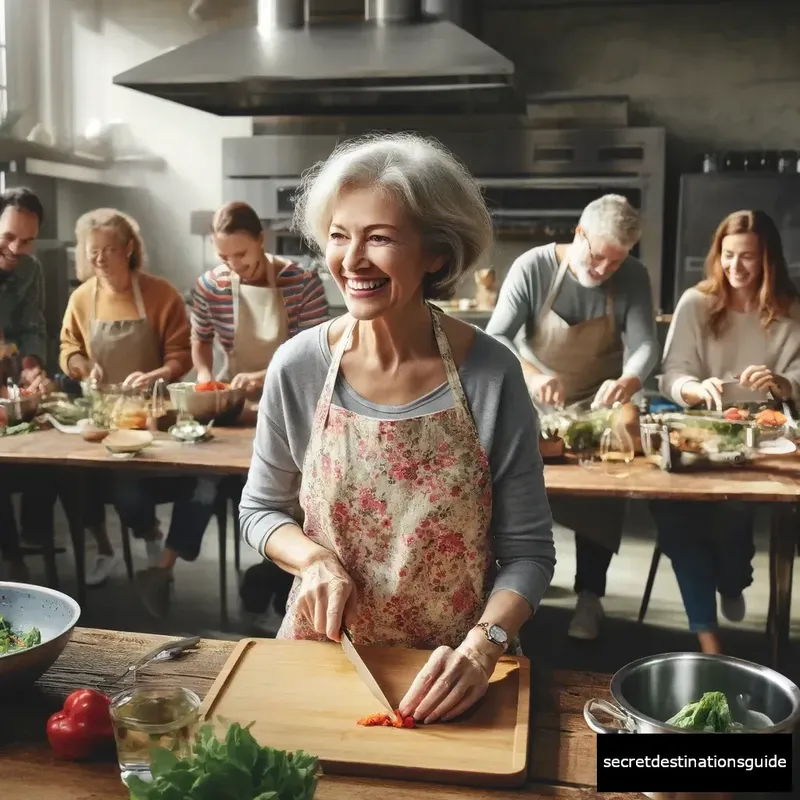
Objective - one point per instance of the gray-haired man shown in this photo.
(570, 311)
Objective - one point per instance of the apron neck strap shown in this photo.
(450, 368)
(549, 299)
(445, 351)
(137, 298)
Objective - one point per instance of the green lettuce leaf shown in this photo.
(234, 768)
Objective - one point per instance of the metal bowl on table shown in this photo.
(652, 690)
(222, 406)
(23, 409)
(26, 606)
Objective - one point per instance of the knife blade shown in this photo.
(363, 671)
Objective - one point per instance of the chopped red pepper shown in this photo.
(382, 719)
(82, 727)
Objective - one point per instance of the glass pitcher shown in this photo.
(616, 451)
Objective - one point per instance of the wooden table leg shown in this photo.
(782, 550)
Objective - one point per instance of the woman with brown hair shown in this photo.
(252, 302)
(734, 338)
(121, 325)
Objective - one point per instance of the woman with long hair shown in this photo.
(734, 338)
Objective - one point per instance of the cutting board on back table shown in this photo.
(307, 696)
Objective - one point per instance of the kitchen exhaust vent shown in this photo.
(396, 57)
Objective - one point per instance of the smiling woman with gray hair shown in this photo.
(406, 436)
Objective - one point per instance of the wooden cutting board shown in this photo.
(307, 696)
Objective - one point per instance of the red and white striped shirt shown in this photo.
(212, 303)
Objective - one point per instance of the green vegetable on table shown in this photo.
(12, 641)
(22, 427)
(236, 768)
(710, 714)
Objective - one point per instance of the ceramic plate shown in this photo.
(777, 447)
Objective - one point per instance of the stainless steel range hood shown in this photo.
(400, 56)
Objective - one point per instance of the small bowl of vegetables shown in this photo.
(35, 625)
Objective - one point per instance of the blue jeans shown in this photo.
(136, 498)
(711, 549)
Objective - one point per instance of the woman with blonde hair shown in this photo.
(406, 436)
(122, 325)
(734, 338)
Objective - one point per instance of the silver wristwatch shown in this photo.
(494, 633)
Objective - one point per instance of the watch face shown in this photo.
(497, 634)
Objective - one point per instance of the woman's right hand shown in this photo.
(708, 392)
(96, 373)
(327, 596)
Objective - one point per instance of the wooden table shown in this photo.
(774, 481)
(562, 748)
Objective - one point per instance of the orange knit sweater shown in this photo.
(163, 305)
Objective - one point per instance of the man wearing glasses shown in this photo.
(580, 317)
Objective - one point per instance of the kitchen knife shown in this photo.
(363, 671)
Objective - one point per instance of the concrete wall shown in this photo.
(104, 38)
(716, 76)
(724, 76)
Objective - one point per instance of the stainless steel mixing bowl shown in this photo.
(651, 690)
(26, 606)
(222, 406)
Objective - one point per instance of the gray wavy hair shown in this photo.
(613, 218)
(428, 182)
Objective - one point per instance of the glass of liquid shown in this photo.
(144, 718)
(616, 451)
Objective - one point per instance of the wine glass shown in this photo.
(616, 451)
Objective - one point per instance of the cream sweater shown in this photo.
(691, 353)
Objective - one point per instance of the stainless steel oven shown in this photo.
(529, 212)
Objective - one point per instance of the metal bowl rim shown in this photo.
(53, 593)
(621, 674)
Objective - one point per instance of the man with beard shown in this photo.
(21, 284)
(565, 309)
(23, 342)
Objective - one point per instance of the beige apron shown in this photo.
(584, 356)
(406, 506)
(260, 326)
(122, 347)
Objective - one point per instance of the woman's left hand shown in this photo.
(451, 682)
(760, 378)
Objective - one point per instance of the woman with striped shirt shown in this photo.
(251, 303)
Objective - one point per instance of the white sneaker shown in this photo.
(733, 608)
(154, 550)
(97, 572)
(588, 615)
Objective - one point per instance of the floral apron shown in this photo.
(406, 506)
